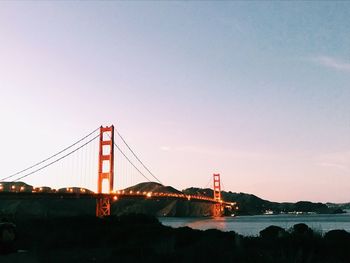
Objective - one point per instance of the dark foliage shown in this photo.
(135, 238)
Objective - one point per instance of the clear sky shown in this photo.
(257, 91)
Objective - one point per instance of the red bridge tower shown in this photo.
(217, 196)
(105, 170)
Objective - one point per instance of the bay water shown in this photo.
(252, 225)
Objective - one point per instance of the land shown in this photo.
(66, 230)
(248, 204)
(135, 238)
(341, 206)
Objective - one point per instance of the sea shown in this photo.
(252, 225)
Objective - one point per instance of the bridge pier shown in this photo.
(103, 206)
(218, 210)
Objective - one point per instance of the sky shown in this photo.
(256, 91)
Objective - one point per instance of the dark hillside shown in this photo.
(252, 205)
(152, 187)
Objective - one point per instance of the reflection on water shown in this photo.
(252, 225)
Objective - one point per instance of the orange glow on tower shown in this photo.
(105, 170)
(217, 195)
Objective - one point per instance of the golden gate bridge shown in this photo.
(105, 193)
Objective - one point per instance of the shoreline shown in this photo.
(251, 225)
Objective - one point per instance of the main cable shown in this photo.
(49, 158)
(131, 162)
(137, 158)
(55, 161)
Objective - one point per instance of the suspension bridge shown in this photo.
(77, 165)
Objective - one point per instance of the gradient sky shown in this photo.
(257, 91)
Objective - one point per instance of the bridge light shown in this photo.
(22, 188)
(130, 191)
(115, 198)
(13, 187)
(138, 192)
(118, 192)
(149, 194)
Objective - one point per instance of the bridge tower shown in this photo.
(217, 196)
(105, 170)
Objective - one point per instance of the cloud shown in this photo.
(332, 63)
(227, 153)
(165, 148)
(334, 165)
(338, 160)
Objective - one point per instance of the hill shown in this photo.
(152, 187)
(252, 205)
(159, 207)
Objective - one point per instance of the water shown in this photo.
(252, 225)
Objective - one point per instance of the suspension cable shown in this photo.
(210, 179)
(131, 162)
(223, 187)
(137, 158)
(55, 161)
(49, 158)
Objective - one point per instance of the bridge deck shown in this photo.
(114, 196)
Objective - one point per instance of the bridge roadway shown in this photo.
(114, 196)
